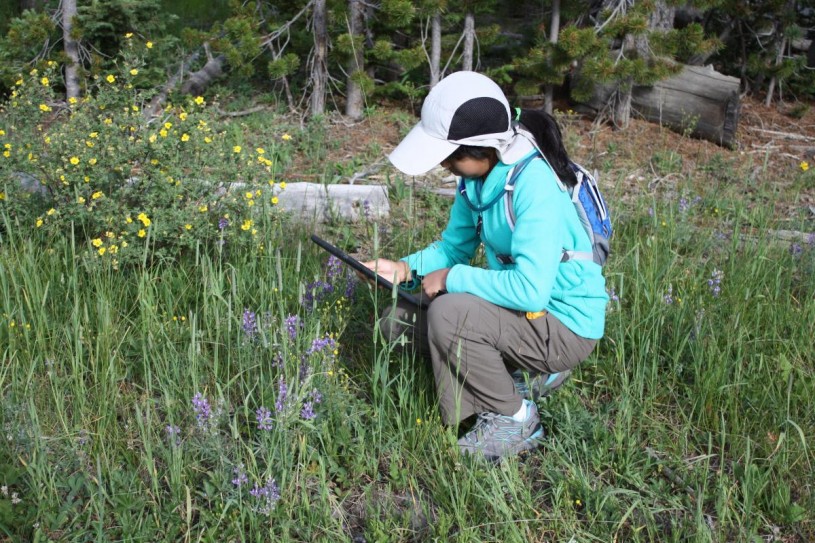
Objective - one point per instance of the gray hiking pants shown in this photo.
(474, 344)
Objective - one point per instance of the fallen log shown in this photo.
(324, 203)
(699, 102)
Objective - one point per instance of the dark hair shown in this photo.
(546, 131)
(472, 151)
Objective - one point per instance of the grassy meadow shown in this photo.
(213, 389)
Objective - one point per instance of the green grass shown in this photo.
(692, 421)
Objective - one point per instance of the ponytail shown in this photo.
(547, 134)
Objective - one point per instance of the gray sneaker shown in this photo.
(496, 436)
(540, 385)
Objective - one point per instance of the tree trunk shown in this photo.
(354, 100)
(71, 49)
(435, 49)
(698, 102)
(319, 71)
(554, 31)
(469, 42)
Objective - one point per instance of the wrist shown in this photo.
(405, 272)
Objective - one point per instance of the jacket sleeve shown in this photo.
(536, 248)
(457, 245)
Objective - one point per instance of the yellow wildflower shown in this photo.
(111, 78)
(45, 107)
(149, 45)
(124, 244)
(39, 222)
(94, 134)
(804, 165)
(188, 226)
(145, 220)
(92, 161)
(260, 150)
(249, 195)
(162, 133)
(2, 196)
(152, 138)
(74, 160)
(168, 125)
(207, 140)
(128, 35)
(183, 115)
(134, 71)
(185, 137)
(282, 185)
(236, 149)
(96, 195)
(44, 81)
(110, 235)
(80, 200)
(101, 251)
(199, 100)
(275, 200)
(2, 132)
(247, 224)
(141, 233)
(108, 121)
(113, 249)
(285, 137)
(50, 211)
(203, 209)
(97, 242)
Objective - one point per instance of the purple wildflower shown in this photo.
(316, 397)
(668, 297)
(264, 418)
(268, 496)
(366, 209)
(612, 295)
(203, 411)
(305, 369)
(322, 344)
(796, 249)
(223, 222)
(715, 282)
(316, 293)
(173, 434)
(308, 411)
(350, 286)
(333, 269)
(684, 205)
(250, 325)
(240, 476)
(811, 239)
(650, 211)
(82, 438)
(292, 322)
(282, 392)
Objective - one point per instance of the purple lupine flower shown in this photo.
(307, 413)
(322, 344)
(316, 397)
(715, 282)
(721, 236)
(811, 239)
(612, 295)
(668, 297)
(292, 322)
(83, 437)
(333, 269)
(173, 434)
(203, 411)
(240, 476)
(250, 325)
(305, 369)
(223, 222)
(282, 392)
(316, 293)
(796, 249)
(684, 205)
(366, 209)
(268, 496)
(278, 360)
(264, 418)
(350, 286)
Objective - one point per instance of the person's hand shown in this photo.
(435, 283)
(395, 271)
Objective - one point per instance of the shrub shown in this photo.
(124, 181)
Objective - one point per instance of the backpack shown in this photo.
(588, 202)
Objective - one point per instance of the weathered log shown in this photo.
(699, 101)
(323, 203)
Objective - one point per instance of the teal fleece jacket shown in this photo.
(546, 223)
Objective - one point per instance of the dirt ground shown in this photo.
(772, 143)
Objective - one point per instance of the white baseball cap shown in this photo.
(464, 108)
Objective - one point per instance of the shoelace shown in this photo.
(483, 423)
